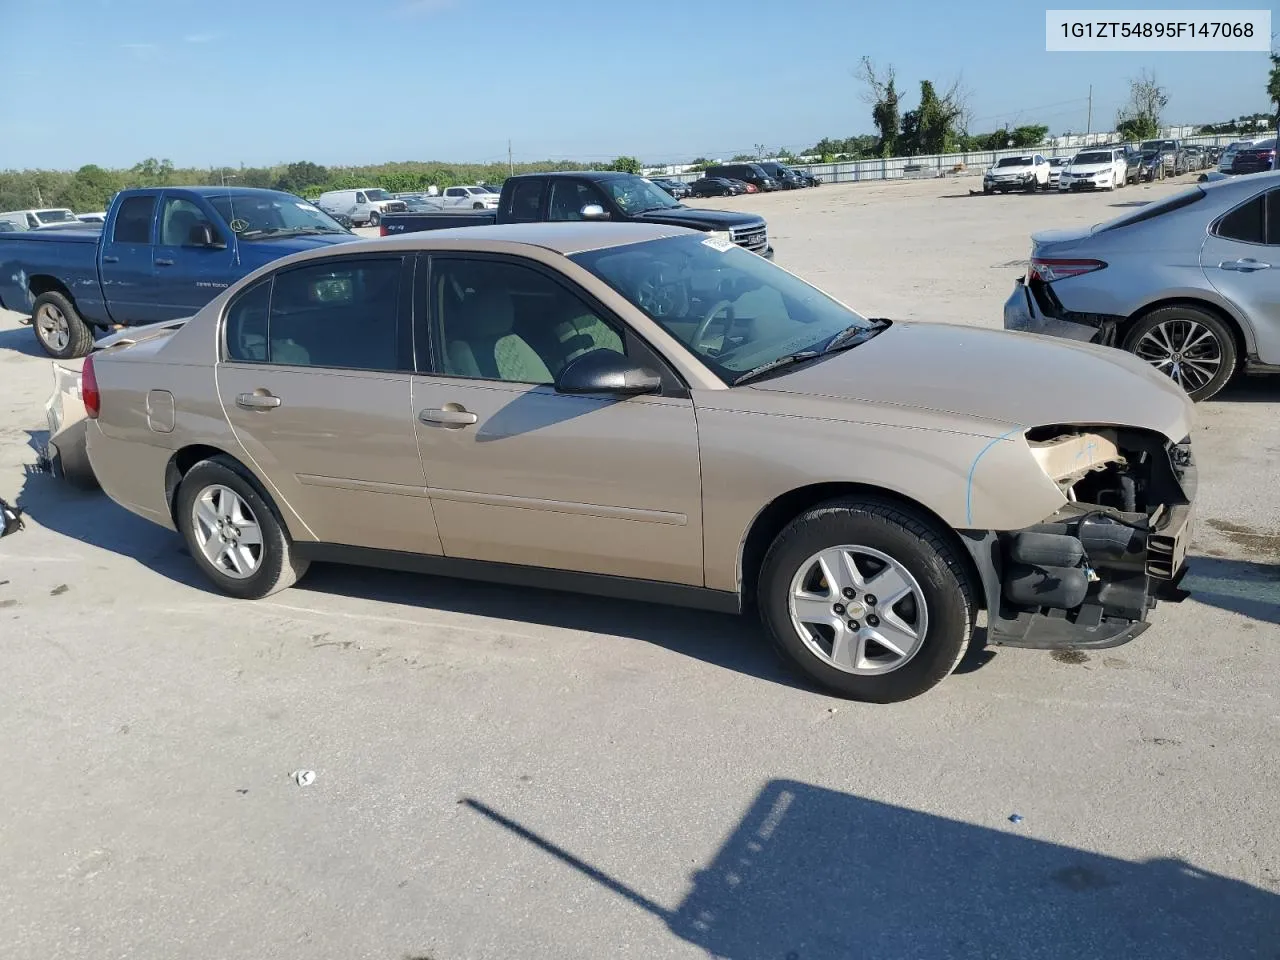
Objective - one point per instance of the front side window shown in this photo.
(178, 219)
(360, 198)
(336, 313)
(733, 309)
(498, 320)
(133, 220)
(568, 197)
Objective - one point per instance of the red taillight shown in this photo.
(89, 389)
(1050, 269)
(382, 229)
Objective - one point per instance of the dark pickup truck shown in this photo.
(588, 195)
(161, 254)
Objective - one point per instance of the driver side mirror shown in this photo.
(203, 235)
(593, 211)
(604, 371)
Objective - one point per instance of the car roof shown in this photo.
(585, 174)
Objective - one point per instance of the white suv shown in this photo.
(1029, 172)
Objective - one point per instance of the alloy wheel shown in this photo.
(53, 328)
(227, 532)
(1184, 350)
(858, 610)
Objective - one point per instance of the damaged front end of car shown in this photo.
(1089, 575)
(65, 455)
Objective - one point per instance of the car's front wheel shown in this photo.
(867, 599)
(1188, 344)
(375, 218)
(232, 533)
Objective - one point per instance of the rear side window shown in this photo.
(1246, 223)
(526, 200)
(133, 221)
(246, 329)
(1152, 210)
(340, 314)
(1273, 218)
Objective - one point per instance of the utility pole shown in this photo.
(1088, 124)
(511, 166)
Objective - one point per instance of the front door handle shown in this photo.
(257, 401)
(1247, 265)
(164, 263)
(451, 415)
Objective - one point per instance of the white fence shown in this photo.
(939, 165)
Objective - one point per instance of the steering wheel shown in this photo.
(706, 321)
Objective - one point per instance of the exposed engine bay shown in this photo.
(1088, 575)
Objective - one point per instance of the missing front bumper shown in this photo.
(65, 454)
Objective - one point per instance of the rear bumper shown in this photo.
(1023, 314)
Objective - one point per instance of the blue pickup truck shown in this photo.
(161, 254)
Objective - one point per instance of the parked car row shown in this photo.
(1104, 167)
(733, 179)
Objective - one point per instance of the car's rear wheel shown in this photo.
(867, 599)
(232, 533)
(1188, 344)
(59, 328)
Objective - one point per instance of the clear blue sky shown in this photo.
(264, 81)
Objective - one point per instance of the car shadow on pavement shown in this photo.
(91, 517)
(1241, 586)
(22, 340)
(814, 874)
(1257, 389)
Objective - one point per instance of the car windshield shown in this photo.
(1157, 145)
(475, 190)
(732, 308)
(636, 195)
(56, 216)
(1015, 162)
(377, 195)
(1092, 158)
(270, 215)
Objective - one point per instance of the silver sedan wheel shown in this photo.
(227, 532)
(858, 610)
(1184, 350)
(53, 328)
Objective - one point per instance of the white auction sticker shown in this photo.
(1204, 31)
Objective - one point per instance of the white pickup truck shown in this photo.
(470, 198)
(1029, 173)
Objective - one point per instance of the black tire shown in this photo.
(279, 566)
(375, 218)
(986, 190)
(79, 335)
(911, 541)
(1224, 339)
(477, 206)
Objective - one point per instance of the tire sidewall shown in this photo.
(1226, 342)
(950, 620)
(276, 545)
(79, 334)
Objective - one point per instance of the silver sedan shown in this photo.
(1187, 283)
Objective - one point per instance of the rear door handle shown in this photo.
(1247, 265)
(257, 401)
(110, 259)
(164, 263)
(451, 416)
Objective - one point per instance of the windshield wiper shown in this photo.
(784, 361)
(847, 336)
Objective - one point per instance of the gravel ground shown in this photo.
(503, 773)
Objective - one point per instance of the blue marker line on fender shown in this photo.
(968, 493)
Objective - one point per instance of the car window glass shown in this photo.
(526, 201)
(498, 320)
(246, 324)
(1246, 222)
(1273, 218)
(133, 221)
(360, 198)
(337, 314)
(178, 217)
(568, 197)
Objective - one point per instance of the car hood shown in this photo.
(1001, 171)
(1008, 379)
(259, 252)
(1086, 169)
(699, 219)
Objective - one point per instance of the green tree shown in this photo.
(152, 173)
(1273, 87)
(302, 176)
(89, 188)
(1139, 118)
(882, 94)
(625, 165)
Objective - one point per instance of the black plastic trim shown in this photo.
(566, 581)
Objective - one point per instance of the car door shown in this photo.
(521, 474)
(454, 197)
(189, 273)
(128, 262)
(1241, 258)
(316, 384)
